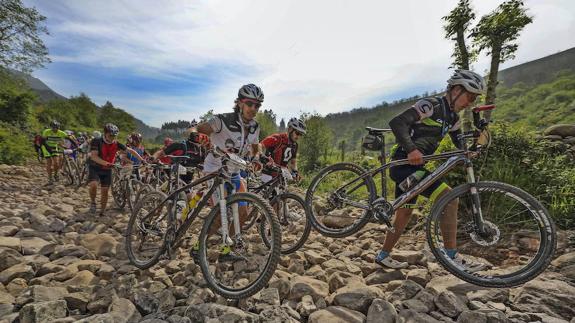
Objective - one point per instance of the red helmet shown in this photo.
(168, 141)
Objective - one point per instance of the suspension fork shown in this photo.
(475, 201)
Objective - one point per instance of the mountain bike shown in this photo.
(503, 226)
(154, 230)
(289, 208)
(69, 168)
(125, 185)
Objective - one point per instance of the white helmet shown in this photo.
(96, 134)
(297, 125)
(251, 91)
(471, 81)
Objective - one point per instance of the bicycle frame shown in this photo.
(454, 158)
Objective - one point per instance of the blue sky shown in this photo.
(170, 60)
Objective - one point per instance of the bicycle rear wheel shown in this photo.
(520, 236)
(248, 267)
(118, 189)
(330, 199)
(147, 229)
(295, 227)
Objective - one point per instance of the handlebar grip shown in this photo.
(484, 108)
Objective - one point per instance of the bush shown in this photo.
(15, 146)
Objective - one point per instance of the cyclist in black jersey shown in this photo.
(418, 132)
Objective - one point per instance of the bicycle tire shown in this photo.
(311, 211)
(131, 228)
(540, 261)
(119, 190)
(271, 264)
(302, 238)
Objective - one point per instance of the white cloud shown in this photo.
(323, 55)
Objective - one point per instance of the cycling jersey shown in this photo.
(280, 148)
(140, 150)
(423, 126)
(106, 151)
(229, 134)
(52, 139)
(195, 151)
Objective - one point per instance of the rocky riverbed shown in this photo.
(59, 264)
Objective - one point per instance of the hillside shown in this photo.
(538, 78)
(46, 94)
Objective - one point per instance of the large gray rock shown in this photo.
(482, 316)
(276, 314)
(563, 130)
(10, 242)
(381, 311)
(450, 304)
(225, 313)
(553, 297)
(17, 271)
(123, 311)
(306, 306)
(336, 314)
(408, 289)
(43, 312)
(9, 257)
(77, 301)
(382, 276)
(411, 316)
(498, 295)
(99, 244)
(341, 279)
(356, 298)
(34, 245)
(145, 302)
(301, 285)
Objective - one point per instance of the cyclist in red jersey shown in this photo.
(282, 148)
(102, 158)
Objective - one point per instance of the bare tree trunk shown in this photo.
(492, 80)
(464, 64)
(462, 49)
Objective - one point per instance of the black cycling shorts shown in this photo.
(104, 176)
(400, 173)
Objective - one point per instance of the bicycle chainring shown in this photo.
(382, 210)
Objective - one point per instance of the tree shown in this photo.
(15, 100)
(207, 116)
(457, 23)
(21, 47)
(315, 142)
(267, 124)
(496, 33)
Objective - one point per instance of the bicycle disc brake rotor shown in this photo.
(491, 238)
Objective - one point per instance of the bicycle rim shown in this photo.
(147, 227)
(250, 264)
(519, 242)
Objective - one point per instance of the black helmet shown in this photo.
(111, 129)
(54, 124)
(251, 91)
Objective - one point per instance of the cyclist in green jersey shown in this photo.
(53, 138)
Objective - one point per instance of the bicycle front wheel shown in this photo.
(517, 244)
(243, 265)
(333, 199)
(147, 229)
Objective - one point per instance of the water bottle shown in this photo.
(180, 205)
(411, 180)
(191, 204)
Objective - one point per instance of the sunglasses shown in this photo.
(472, 96)
(252, 104)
